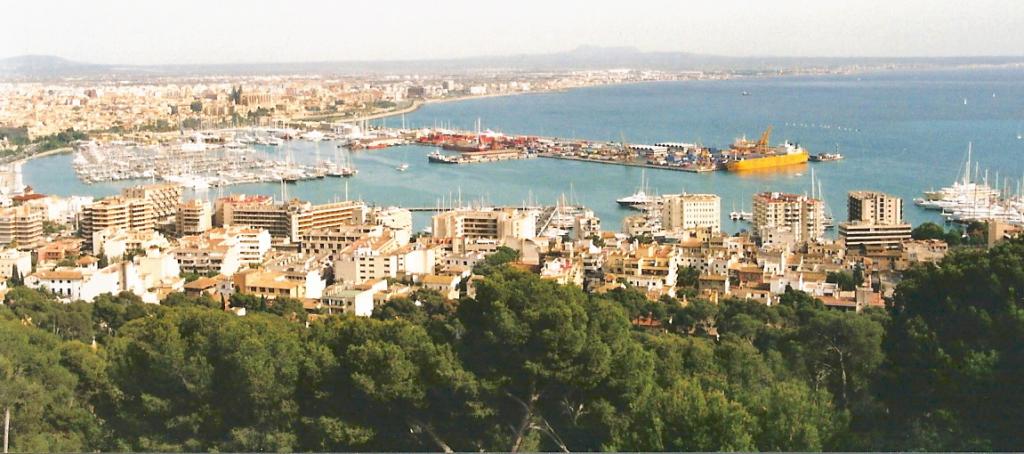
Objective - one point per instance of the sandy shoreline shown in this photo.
(417, 104)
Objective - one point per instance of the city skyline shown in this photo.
(192, 32)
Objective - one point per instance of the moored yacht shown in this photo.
(640, 198)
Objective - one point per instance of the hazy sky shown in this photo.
(209, 31)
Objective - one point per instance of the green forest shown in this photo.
(527, 365)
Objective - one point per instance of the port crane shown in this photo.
(762, 143)
(625, 146)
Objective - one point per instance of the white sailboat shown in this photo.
(737, 216)
(816, 193)
(962, 192)
(349, 170)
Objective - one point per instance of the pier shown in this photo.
(439, 209)
(628, 163)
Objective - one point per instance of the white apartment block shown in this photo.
(691, 211)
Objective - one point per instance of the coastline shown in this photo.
(416, 105)
(420, 103)
(44, 154)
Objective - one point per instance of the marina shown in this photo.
(191, 164)
(971, 198)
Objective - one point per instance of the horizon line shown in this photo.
(630, 49)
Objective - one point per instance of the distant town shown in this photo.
(37, 114)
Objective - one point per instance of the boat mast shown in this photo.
(967, 167)
(812, 182)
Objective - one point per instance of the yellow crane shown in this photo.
(762, 144)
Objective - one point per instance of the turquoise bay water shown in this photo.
(901, 132)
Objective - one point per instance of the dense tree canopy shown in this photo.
(954, 352)
(526, 365)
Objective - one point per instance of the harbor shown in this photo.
(230, 157)
(878, 153)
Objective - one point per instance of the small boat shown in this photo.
(437, 157)
(741, 216)
(745, 93)
(404, 165)
(825, 157)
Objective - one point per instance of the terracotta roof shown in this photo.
(202, 283)
(438, 279)
(59, 275)
(27, 197)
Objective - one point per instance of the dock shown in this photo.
(476, 157)
(627, 163)
(439, 209)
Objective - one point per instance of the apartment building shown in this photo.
(193, 217)
(288, 220)
(366, 259)
(805, 216)
(253, 243)
(874, 207)
(875, 219)
(500, 225)
(691, 211)
(164, 198)
(118, 212)
(334, 240)
(225, 206)
(358, 300)
(224, 250)
(21, 226)
(305, 217)
(267, 284)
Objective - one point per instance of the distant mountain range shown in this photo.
(584, 57)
